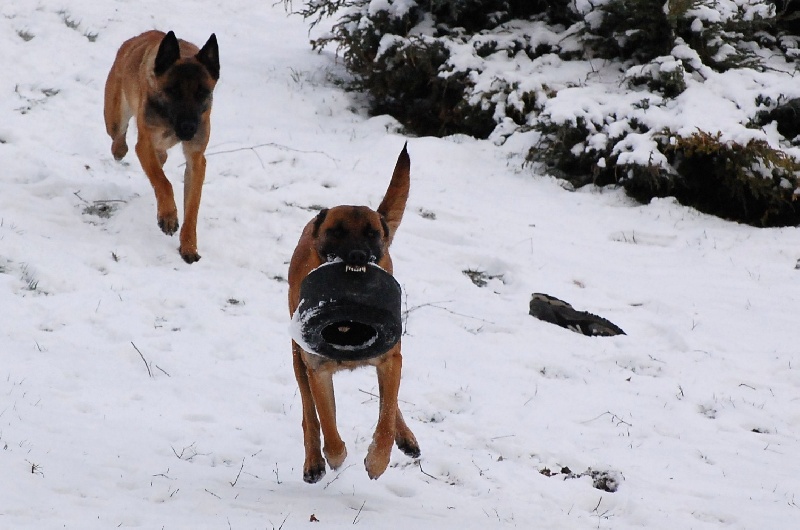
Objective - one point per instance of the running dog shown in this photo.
(356, 235)
(167, 85)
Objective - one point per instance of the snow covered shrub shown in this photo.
(602, 91)
(422, 62)
(786, 117)
(724, 33)
(750, 182)
(664, 74)
(565, 153)
(720, 31)
(753, 182)
(631, 29)
(590, 147)
(476, 15)
(787, 18)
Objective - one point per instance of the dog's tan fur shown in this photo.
(334, 232)
(153, 80)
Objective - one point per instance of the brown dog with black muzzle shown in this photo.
(167, 85)
(358, 236)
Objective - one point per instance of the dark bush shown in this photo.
(441, 67)
(410, 78)
(786, 116)
(751, 183)
(632, 29)
(477, 15)
(405, 83)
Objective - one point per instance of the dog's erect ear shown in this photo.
(209, 56)
(168, 52)
(394, 202)
(386, 231)
(318, 221)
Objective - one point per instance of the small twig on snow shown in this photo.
(149, 372)
(282, 522)
(337, 476)
(456, 313)
(36, 469)
(238, 475)
(164, 474)
(616, 419)
(268, 144)
(604, 515)
(376, 396)
(424, 472)
(355, 519)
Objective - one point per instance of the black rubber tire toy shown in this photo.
(346, 314)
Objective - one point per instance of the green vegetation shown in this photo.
(485, 68)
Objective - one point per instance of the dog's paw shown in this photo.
(119, 148)
(337, 457)
(409, 446)
(168, 223)
(313, 474)
(190, 257)
(376, 461)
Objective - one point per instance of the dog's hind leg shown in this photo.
(404, 438)
(117, 114)
(314, 465)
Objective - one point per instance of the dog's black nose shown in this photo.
(357, 258)
(186, 129)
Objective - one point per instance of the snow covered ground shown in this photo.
(137, 391)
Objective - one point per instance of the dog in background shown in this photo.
(167, 85)
(357, 235)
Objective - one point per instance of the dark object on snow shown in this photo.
(558, 312)
(787, 117)
(347, 313)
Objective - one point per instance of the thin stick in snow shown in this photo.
(355, 520)
(238, 475)
(424, 472)
(149, 372)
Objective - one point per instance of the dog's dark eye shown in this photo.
(201, 93)
(337, 232)
(172, 91)
(371, 233)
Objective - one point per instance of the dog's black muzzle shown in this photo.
(356, 260)
(186, 127)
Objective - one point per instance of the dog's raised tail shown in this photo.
(394, 202)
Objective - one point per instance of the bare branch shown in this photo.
(238, 475)
(149, 372)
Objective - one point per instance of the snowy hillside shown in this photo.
(137, 391)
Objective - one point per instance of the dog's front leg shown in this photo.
(380, 449)
(314, 465)
(167, 212)
(193, 178)
(321, 382)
